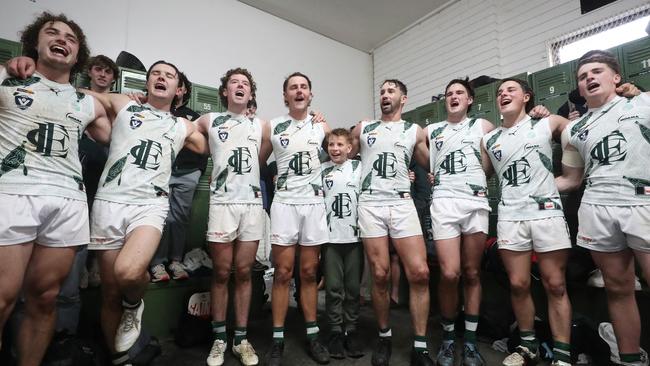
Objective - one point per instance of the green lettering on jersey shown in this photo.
(454, 162)
(342, 205)
(240, 160)
(300, 163)
(385, 165)
(610, 149)
(517, 173)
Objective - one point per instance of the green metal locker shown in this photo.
(131, 81)
(409, 116)
(485, 105)
(553, 85)
(8, 50)
(427, 114)
(204, 99)
(635, 57)
(198, 224)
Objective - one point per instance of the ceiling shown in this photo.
(361, 24)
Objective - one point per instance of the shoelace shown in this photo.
(216, 349)
(129, 320)
(449, 350)
(246, 349)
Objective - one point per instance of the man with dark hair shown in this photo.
(459, 216)
(186, 172)
(102, 72)
(613, 139)
(530, 218)
(237, 218)
(41, 119)
(298, 216)
(386, 211)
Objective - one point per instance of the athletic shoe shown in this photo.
(318, 352)
(128, 330)
(445, 355)
(471, 356)
(560, 363)
(381, 353)
(421, 358)
(215, 357)
(353, 345)
(246, 353)
(158, 273)
(335, 346)
(521, 357)
(177, 271)
(274, 355)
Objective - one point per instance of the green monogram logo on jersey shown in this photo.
(454, 162)
(240, 160)
(517, 173)
(50, 139)
(341, 205)
(384, 165)
(300, 163)
(610, 149)
(147, 155)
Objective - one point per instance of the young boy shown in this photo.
(343, 255)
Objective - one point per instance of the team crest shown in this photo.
(497, 154)
(371, 140)
(284, 142)
(135, 123)
(439, 144)
(23, 101)
(583, 135)
(329, 183)
(223, 136)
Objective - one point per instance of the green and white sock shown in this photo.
(529, 340)
(240, 335)
(420, 343)
(561, 351)
(385, 333)
(219, 330)
(448, 329)
(471, 324)
(312, 330)
(278, 334)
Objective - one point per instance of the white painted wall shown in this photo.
(499, 38)
(212, 36)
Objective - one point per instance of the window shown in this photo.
(603, 35)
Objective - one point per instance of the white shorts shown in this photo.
(397, 221)
(51, 221)
(302, 224)
(452, 217)
(614, 228)
(541, 235)
(228, 222)
(111, 222)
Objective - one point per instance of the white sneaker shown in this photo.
(596, 280)
(192, 260)
(560, 363)
(215, 358)
(246, 353)
(521, 357)
(129, 329)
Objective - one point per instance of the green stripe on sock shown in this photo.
(312, 330)
(471, 324)
(529, 340)
(219, 330)
(278, 334)
(561, 351)
(630, 357)
(448, 329)
(240, 335)
(420, 343)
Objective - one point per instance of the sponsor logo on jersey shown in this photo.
(625, 118)
(72, 117)
(50, 139)
(240, 160)
(610, 149)
(517, 173)
(23, 101)
(313, 142)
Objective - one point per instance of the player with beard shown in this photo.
(386, 211)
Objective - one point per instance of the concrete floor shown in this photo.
(259, 334)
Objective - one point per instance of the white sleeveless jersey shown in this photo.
(144, 143)
(296, 146)
(614, 141)
(455, 160)
(386, 150)
(234, 144)
(342, 185)
(522, 160)
(41, 122)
